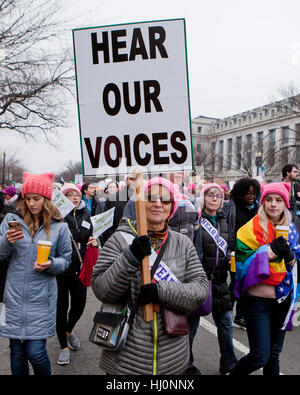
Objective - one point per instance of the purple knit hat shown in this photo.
(11, 191)
(169, 186)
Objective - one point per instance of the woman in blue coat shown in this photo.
(28, 313)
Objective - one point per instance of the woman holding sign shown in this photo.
(266, 277)
(179, 284)
(81, 230)
(28, 313)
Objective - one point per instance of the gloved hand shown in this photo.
(148, 294)
(281, 248)
(140, 247)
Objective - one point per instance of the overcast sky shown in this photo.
(239, 53)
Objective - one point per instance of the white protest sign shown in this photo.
(61, 202)
(133, 97)
(78, 178)
(103, 221)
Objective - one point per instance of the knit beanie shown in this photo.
(280, 188)
(68, 187)
(38, 183)
(11, 191)
(205, 189)
(169, 186)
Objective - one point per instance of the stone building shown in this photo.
(258, 141)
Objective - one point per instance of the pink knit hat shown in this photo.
(38, 183)
(170, 187)
(280, 188)
(205, 188)
(67, 187)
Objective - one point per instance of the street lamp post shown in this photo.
(258, 161)
(3, 169)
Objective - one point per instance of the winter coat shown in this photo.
(80, 225)
(117, 200)
(230, 212)
(115, 273)
(220, 290)
(29, 304)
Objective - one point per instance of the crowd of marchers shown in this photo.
(210, 239)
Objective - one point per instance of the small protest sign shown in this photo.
(102, 222)
(62, 203)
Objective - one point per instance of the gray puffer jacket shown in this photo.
(114, 273)
(29, 302)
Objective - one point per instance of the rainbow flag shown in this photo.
(252, 261)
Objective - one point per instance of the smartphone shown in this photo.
(15, 225)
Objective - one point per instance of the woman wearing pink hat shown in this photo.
(179, 284)
(266, 278)
(212, 239)
(71, 299)
(28, 315)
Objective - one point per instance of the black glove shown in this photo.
(140, 247)
(148, 294)
(281, 248)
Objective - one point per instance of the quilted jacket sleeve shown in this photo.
(5, 247)
(114, 270)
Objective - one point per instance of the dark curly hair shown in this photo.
(241, 187)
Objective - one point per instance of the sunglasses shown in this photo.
(163, 199)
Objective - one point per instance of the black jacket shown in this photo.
(118, 201)
(81, 231)
(220, 290)
(231, 211)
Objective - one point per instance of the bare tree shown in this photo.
(13, 167)
(36, 67)
(68, 172)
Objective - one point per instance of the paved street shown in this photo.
(85, 360)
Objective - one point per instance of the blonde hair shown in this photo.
(285, 219)
(50, 212)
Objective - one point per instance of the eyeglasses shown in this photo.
(212, 196)
(73, 195)
(153, 198)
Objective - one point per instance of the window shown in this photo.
(285, 144)
(260, 141)
(249, 150)
(221, 153)
(213, 156)
(271, 154)
(266, 111)
(254, 114)
(199, 129)
(239, 152)
(229, 154)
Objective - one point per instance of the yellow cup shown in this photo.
(232, 262)
(43, 251)
(282, 230)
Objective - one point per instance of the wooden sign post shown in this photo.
(142, 230)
